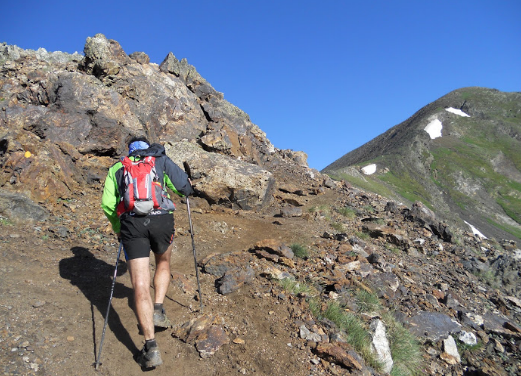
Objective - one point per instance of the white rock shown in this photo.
(380, 345)
(468, 338)
(513, 299)
(449, 346)
(306, 334)
(476, 319)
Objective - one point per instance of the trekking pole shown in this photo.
(97, 364)
(187, 169)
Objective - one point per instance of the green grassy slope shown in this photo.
(472, 172)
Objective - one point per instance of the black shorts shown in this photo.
(140, 234)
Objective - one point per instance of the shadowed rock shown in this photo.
(19, 208)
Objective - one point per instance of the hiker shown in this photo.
(143, 230)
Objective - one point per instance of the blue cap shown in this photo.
(137, 145)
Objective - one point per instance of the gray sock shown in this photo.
(150, 343)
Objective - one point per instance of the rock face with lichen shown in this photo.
(74, 114)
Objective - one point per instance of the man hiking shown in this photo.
(144, 222)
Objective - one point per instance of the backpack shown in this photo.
(142, 191)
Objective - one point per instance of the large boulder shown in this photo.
(223, 180)
(20, 209)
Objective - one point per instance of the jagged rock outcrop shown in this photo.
(74, 115)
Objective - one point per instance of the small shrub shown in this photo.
(300, 251)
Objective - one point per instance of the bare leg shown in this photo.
(140, 277)
(162, 275)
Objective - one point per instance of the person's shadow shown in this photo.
(94, 278)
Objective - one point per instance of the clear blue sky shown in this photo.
(323, 77)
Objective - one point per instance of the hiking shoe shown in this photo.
(150, 358)
(160, 319)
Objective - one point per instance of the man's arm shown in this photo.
(177, 180)
(110, 197)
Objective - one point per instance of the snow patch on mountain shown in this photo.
(475, 231)
(434, 128)
(369, 169)
(457, 112)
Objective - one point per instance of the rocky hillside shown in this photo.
(65, 118)
(458, 155)
(300, 275)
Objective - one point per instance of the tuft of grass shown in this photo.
(347, 212)
(393, 248)
(363, 235)
(5, 222)
(368, 302)
(405, 348)
(338, 226)
(314, 306)
(322, 210)
(463, 347)
(368, 208)
(357, 334)
(295, 287)
(300, 251)
(488, 277)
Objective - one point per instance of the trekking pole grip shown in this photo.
(187, 169)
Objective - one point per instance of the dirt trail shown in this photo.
(55, 289)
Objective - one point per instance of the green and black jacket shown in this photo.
(173, 177)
